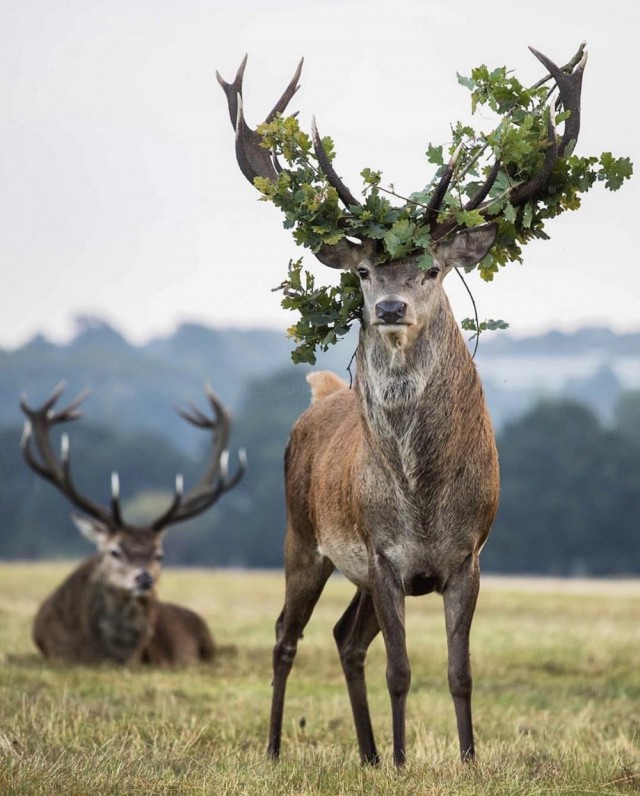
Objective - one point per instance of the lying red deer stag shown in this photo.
(107, 609)
(394, 482)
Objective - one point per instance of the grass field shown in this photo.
(557, 698)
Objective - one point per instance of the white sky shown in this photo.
(119, 191)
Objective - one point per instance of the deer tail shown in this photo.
(323, 383)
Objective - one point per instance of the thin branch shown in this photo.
(353, 356)
(400, 196)
(475, 313)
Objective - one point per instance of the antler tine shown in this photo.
(115, 498)
(215, 481)
(71, 411)
(433, 207)
(165, 519)
(440, 230)
(570, 88)
(346, 197)
(287, 94)
(47, 465)
(194, 416)
(254, 160)
(233, 90)
(242, 468)
(482, 194)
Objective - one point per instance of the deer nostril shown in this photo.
(390, 311)
(144, 581)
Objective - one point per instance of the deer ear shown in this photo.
(468, 247)
(344, 254)
(94, 530)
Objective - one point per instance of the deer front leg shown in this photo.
(460, 597)
(388, 599)
(303, 588)
(354, 633)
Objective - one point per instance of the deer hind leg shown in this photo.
(303, 588)
(460, 597)
(354, 633)
(389, 603)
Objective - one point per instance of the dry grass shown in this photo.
(557, 698)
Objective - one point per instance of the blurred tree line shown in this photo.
(570, 498)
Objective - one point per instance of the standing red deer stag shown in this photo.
(107, 609)
(394, 482)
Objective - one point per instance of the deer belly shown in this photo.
(347, 555)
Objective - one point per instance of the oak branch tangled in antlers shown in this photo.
(520, 174)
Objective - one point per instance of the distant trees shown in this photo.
(570, 498)
(35, 517)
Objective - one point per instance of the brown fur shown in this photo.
(107, 611)
(91, 619)
(396, 484)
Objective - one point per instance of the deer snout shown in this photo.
(391, 311)
(144, 581)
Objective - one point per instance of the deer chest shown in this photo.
(120, 626)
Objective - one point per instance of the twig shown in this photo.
(475, 313)
(353, 356)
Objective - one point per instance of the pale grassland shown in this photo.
(557, 698)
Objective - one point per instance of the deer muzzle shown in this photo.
(391, 312)
(143, 582)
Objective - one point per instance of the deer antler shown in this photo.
(346, 197)
(569, 83)
(58, 470)
(215, 481)
(254, 160)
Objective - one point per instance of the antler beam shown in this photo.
(215, 481)
(57, 470)
(569, 85)
(46, 464)
(254, 160)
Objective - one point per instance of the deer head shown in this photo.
(399, 297)
(130, 555)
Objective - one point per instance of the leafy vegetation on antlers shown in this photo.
(519, 142)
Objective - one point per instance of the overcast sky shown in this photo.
(119, 191)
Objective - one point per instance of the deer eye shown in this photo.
(159, 556)
(432, 273)
(115, 553)
(363, 273)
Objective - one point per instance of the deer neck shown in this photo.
(413, 398)
(397, 373)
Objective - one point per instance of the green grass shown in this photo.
(557, 698)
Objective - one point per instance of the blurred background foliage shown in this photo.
(566, 409)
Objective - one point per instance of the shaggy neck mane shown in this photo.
(418, 404)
